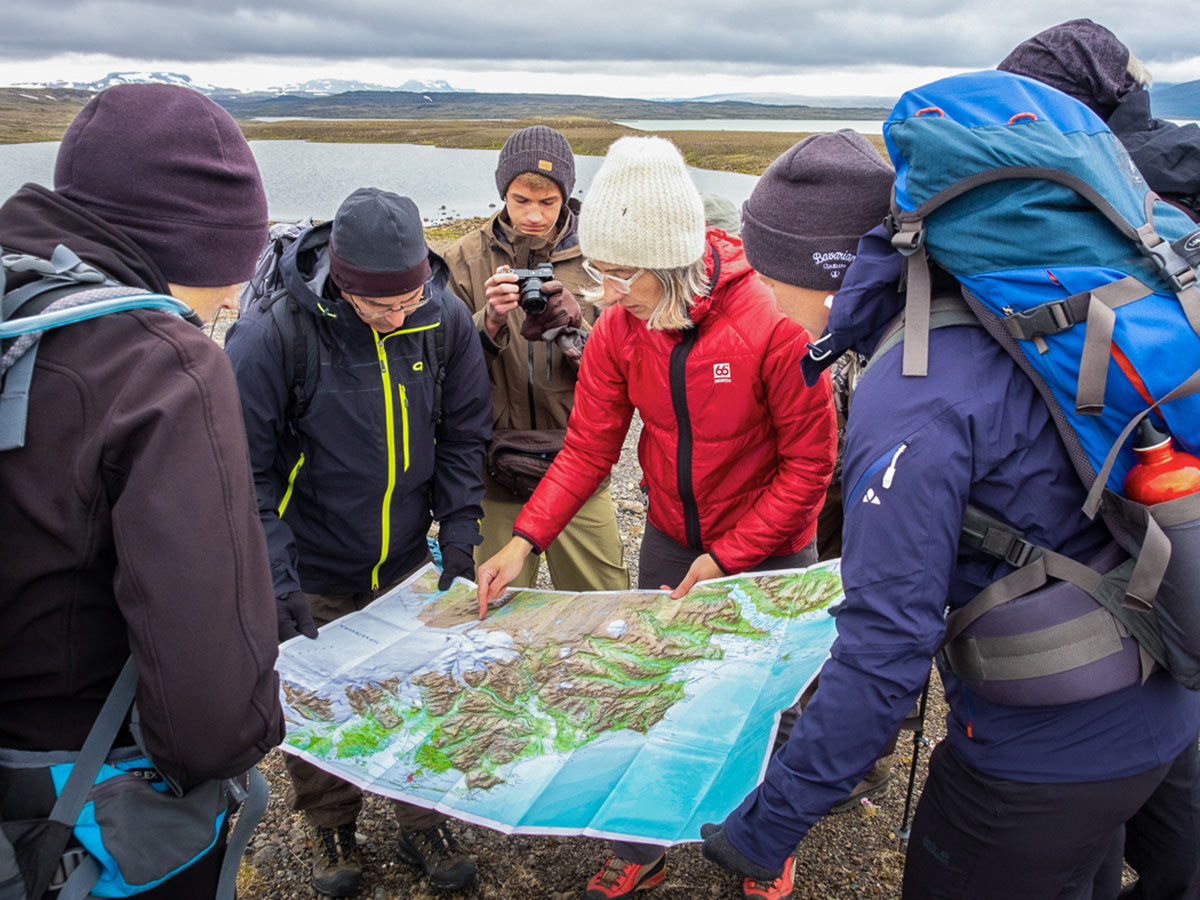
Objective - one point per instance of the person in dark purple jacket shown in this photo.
(1088, 62)
(1020, 801)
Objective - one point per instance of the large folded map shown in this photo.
(627, 715)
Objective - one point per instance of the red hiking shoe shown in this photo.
(620, 878)
(779, 889)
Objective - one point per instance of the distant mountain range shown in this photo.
(314, 87)
(463, 105)
(769, 99)
(1176, 101)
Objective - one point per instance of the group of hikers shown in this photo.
(190, 507)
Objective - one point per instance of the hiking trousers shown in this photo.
(663, 561)
(586, 556)
(326, 800)
(993, 839)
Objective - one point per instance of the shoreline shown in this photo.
(745, 152)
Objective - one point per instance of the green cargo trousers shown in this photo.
(586, 556)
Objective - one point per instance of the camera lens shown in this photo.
(531, 299)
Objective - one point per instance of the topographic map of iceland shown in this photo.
(607, 714)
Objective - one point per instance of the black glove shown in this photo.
(293, 616)
(562, 311)
(457, 562)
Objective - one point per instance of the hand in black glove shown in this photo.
(457, 562)
(293, 616)
(562, 310)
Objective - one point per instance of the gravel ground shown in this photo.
(849, 856)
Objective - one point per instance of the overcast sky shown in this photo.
(633, 48)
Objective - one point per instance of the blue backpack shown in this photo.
(115, 825)
(1088, 280)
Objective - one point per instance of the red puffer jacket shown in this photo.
(736, 451)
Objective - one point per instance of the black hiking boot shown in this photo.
(438, 854)
(336, 867)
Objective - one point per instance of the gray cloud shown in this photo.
(618, 36)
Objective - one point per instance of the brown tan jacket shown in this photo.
(533, 384)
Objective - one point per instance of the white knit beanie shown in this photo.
(642, 209)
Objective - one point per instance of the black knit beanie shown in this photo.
(377, 246)
(803, 220)
(170, 169)
(536, 149)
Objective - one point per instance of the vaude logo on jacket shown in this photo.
(870, 497)
(722, 373)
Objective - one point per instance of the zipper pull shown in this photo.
(891, 469)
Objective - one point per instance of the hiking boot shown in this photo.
(436, 851)
(336, 866)
(874, 784)
(779, 889)
(620, 878)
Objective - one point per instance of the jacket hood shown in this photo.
(35, 220)
(867, 303)
(724, 261)
(1080, 58)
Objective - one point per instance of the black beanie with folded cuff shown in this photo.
(803, 221)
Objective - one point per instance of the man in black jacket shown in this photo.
(129, 521)
(347, 489)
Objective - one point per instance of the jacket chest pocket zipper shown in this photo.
(404, 423)
(888, 460)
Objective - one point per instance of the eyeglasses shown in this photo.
(377, 311)
(621, 285)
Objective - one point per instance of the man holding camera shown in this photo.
(533, 338)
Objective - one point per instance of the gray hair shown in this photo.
(681, 288)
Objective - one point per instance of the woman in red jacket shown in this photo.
(736, 451)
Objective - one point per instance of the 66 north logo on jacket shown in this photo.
(722, 373)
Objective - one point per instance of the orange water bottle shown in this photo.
(1161, 472)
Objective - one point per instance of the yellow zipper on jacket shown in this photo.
(390, 424)
(404, 422)
(287, 495)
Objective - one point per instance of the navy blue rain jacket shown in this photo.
(361, 474)
(918, 450)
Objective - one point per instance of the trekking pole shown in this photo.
(918, 736)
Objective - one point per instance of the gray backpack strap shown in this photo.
(12, 883)
(253, 799)
(87, 766)
(942, 312)
(1046, 651)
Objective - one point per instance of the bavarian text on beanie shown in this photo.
(642, 209)
(536, 149)
(377, 245)
(170, 169)
(803, 220)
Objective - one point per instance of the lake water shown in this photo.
(863, 126)
(304, 179)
